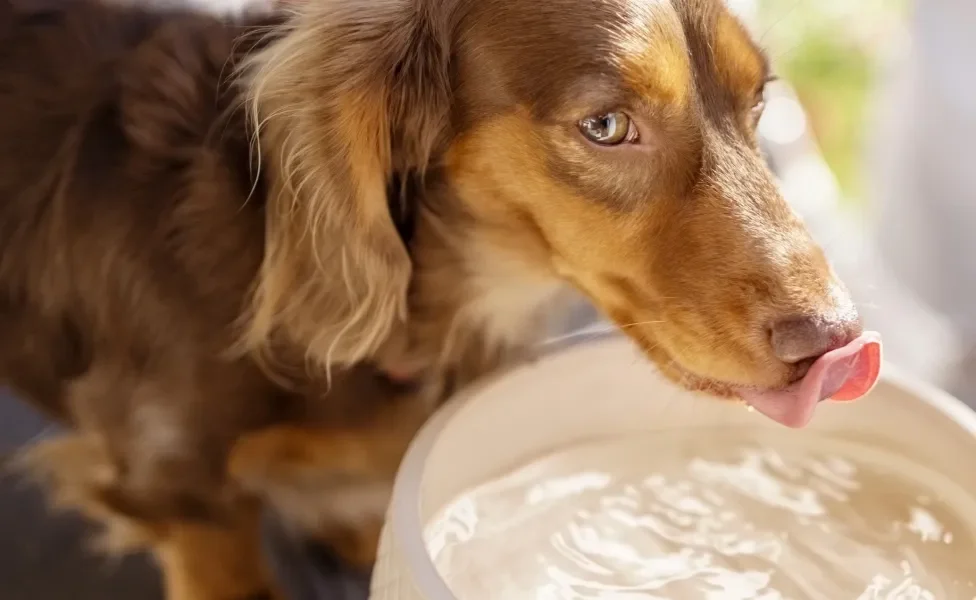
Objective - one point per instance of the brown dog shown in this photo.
(216, 238)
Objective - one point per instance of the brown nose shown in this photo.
(802, 338)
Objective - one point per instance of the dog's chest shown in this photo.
(510, 303)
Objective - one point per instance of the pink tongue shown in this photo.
(843, 375)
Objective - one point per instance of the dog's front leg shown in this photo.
(215, 561)
(331, 483)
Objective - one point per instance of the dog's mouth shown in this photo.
(842, 375)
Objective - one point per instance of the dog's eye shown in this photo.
(759, 105)
(757, 110)
(611, 129)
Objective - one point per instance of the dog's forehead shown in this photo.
(665, 46)
(651, 50)
(722, 46)
(664, 51)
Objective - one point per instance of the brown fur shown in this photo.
(215, 238)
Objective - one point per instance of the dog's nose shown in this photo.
(803, 338)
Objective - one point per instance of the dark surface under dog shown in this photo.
(43, 555)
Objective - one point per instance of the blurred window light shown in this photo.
(783, 122)
(809, 184)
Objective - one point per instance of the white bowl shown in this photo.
(605, 388)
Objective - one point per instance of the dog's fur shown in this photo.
(218, 239)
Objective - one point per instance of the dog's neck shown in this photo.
(474, 303)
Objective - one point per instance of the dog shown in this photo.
(243, 259)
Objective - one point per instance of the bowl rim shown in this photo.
(405, 510)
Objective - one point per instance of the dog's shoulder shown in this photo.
(168, 77)
(120, 109)
(129, 203)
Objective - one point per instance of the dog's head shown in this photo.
(610, 144)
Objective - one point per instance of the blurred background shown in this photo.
(871, 132)
(834, 53)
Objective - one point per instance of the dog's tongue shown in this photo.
(843, 375)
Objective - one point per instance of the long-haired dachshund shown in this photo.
(244, 260)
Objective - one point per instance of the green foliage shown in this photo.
(829, 50)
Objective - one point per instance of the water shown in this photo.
(718, 516)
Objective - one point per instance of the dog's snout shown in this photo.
(799, 339)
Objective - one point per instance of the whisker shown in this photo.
(597, 329)
(638, 324)
(581, 333)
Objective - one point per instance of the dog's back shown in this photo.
(123, 153)
(131, 229)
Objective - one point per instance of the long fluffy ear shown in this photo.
(354, 91)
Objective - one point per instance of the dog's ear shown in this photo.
(354, 91)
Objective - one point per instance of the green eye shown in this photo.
(611, 129)
(759, 106)
(759, 102)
